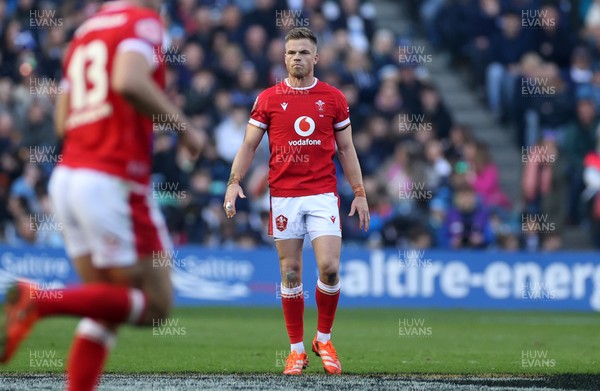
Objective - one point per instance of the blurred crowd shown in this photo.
(429, 181)
(536, 64)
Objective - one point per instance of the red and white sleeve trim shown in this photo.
(259, 124)
(139, 46)
(343, 124)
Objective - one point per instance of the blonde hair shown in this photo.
(301, 33)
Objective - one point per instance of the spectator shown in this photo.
(580, 72)
(459, 136)
(231, 23)
(467, 223)
(229, 134)
(246, 91)
(264, 15)
(384, 50)
(555, 41)
(506, 48)
(229, 65)
(355, 18)
(552, 102)
(201, 93)
(542, 178)
(388, 100)
(205, 28)
(483, 175)
(24, 187)
(410, 89)
(255, 48)
(436, 111)
(485, 26)
(38, 129)
(194, 60)
(360, 73)
(453, 21)
(439, 168)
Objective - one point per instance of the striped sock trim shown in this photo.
(329, 289)
(97, 332)
(291, 292)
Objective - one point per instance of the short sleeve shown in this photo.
(342, 113)
(259, 115)
(146, 36)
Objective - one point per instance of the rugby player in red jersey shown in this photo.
(305, 119)
(101, 191)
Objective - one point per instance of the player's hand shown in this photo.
(360, 205)
(233, 192)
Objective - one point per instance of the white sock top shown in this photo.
(290, 292)
(329, 288)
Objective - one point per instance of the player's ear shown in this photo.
(316, 59)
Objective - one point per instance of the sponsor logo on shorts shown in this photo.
(281, 222)
(332, 219)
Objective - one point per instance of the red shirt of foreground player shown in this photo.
(300, 123)
(103, 131)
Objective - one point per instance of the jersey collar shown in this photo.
(302, 88)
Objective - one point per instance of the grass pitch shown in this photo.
(548, 349)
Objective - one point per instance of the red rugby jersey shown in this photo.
(103, 131)
(300, 123)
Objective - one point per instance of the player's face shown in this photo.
(300, 57)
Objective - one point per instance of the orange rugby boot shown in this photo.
(19, 316)
(295, 363)
(328, 355)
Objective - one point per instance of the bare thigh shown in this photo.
(327, 251)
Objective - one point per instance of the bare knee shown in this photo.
(329, 274)
(158, 290)
(291, 274)
(159, 298)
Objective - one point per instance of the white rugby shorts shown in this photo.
(115, 220)
(315, 215)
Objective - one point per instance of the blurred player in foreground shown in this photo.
(101, 192)
(305, 119)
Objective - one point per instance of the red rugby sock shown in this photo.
(292, 300)
(88, 355)
(327, 298)
(112, 303)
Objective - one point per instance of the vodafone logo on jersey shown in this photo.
(304, 126)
